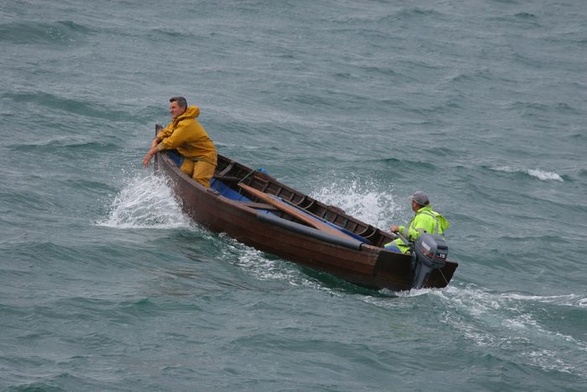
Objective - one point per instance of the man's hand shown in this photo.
(148, 156)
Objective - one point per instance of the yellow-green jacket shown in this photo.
(425, 221)
(186, 135)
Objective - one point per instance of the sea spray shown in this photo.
(363, 201)
(146, 202)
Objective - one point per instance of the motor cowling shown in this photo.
(430, 253)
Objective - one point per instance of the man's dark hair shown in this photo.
(181, 101)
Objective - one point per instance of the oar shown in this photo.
(331, 224)
(293, 211)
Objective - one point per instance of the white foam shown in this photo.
(537, 173)
(361, 201)
(146, 202)
(506, 321)
(258, 265)
(572, 300)
(545, 175)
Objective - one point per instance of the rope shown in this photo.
(443, 277)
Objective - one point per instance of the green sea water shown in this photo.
(106, 286)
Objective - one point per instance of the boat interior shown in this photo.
(238, 182)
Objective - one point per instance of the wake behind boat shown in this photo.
(256, 209)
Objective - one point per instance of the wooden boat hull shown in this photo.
(356, 256)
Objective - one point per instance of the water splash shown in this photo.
(146, 202)
(363, 201)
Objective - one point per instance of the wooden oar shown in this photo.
(293, 211)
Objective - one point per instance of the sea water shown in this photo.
(105, 285)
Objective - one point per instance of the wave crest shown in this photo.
(542, 175)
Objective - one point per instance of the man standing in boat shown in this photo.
(186, 135)
(426, 220)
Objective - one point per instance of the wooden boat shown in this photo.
(257, 210)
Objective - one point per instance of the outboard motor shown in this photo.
(430, 253)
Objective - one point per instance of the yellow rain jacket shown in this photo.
(186, 135)
(425, 221)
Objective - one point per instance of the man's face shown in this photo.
(175, 110)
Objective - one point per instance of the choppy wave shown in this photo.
(66, 33)
(482, 108)
(61, 103)
(513, 325)
(513, 322)
(540, 174)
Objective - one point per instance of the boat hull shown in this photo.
(271, 230)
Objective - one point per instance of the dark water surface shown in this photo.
(106, 286)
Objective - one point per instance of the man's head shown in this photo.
(177, 106)
(419, 199)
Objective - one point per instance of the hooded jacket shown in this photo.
(425, 221)
(186, 135)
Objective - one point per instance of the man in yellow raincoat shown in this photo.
(426, 220)
(186, 135)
